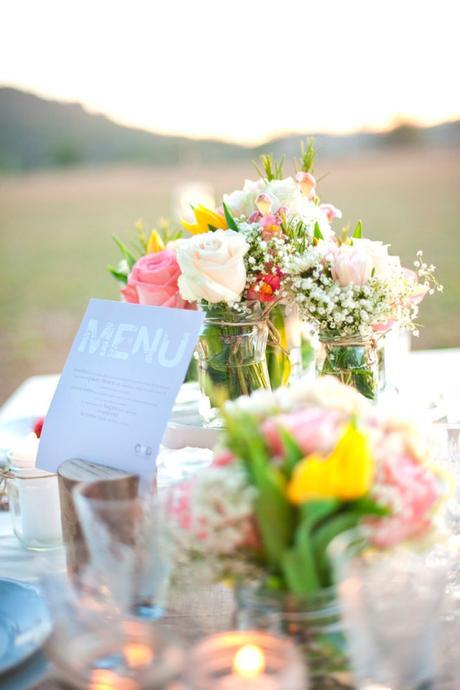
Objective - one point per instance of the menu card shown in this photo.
(118, 386)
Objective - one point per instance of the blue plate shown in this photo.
(24, 623)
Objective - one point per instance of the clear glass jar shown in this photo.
(313, 622)
(34, 507)
(231, 358)
(284, 357)
(355, 361)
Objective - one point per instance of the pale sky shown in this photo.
(242, 70)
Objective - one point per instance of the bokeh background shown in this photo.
(109, 112)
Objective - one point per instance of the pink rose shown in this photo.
(410, 490)
(351, 266)
(154, 281)
(315, 429)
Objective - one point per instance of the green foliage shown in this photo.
(126, 252)
(318, 235)
(307, 156)
(229, 218)
(358, 231)
(271, 169)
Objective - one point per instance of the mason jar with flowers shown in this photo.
(354, 291)
(296, 468)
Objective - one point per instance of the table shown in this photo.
(429, 382)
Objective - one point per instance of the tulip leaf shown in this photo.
(318, 235)
(291, 450)
(127, 254)
(323, 536)
(229, 218)
(366, 505)
(274, 514)
(299, 569)
(317, 510)
(358, 231)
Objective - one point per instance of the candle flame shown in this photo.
(103, 679)
(137, 655)
(249, 661)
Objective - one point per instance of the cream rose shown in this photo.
(212, 266)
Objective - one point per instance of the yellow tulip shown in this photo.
(155, 243)
(345, 474)
(204, 217)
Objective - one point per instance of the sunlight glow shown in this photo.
(241, 71)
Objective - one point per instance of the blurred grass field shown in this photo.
(55, 239)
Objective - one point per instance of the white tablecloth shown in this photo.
(428, 381)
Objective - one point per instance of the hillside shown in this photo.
(40, 133)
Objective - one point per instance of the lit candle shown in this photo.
(137, 655)
(248, 671)
(103, 679)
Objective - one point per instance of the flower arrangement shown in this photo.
(296, 468)
(268, 247)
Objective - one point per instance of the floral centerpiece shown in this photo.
(354, 291)
(267, 253)
(296, 468)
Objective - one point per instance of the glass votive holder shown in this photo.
(246, 660)
(33, 496)
(122, 655)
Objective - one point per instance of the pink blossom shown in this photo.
(263, 204)
(330, 211)
(418, 291)
(154, 281)
(223, 457)
(315, 429)
(307, 183)
(410, 490)
(254, 217)
(268, 284)
(351, 266)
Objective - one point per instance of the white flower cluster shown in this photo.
(285, 193)
(354, 309)
(326, 391)
(210, 520)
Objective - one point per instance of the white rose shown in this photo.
(212, 266)
(382, 263)
(241, 202)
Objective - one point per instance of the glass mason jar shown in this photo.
(356, 361)
(284, 356)
(231, 358)
(33, 496)
(311, 621)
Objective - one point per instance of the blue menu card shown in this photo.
(118, 386)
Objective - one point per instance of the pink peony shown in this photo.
(153, 281)
(410, 490)
(316, 429)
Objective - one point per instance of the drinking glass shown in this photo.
(128, 555)
(391, 605)
(94, 647)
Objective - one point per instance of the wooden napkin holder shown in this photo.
(107, 484)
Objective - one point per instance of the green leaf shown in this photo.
(211, 228)
(299, 569)
(292, 452)
(127, 254)
(118, 275)
(315, 511)
(318, 235)
(358, 231)
(323, 536)
(366, 505)
(229, 218)
(274, 514)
